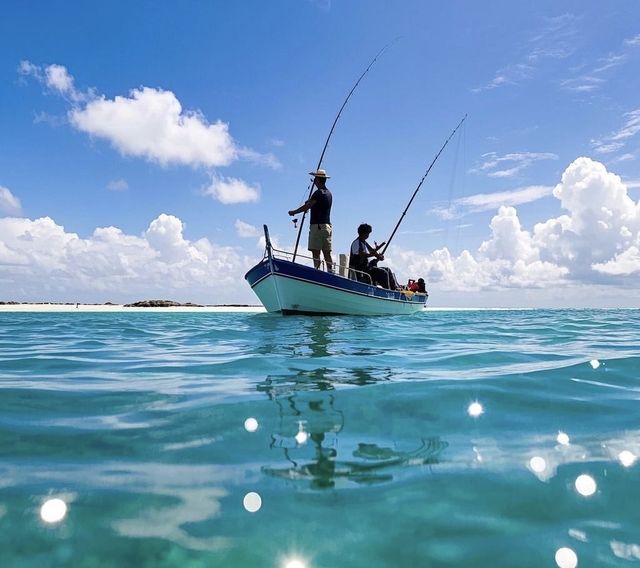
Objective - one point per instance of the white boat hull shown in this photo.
(290, 288)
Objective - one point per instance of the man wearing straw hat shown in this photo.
(320, 222)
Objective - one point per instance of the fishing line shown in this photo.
(452, 184)
(463, 136)
(421, 182)
(326, 144)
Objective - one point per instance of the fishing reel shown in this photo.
(295, 222)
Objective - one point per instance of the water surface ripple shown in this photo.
(449, 438)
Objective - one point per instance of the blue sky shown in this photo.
(143, 145)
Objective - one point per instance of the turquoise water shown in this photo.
(366, 454)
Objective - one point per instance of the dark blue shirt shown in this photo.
(321, 210)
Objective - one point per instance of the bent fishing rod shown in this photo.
(422, 181)
(324, 149)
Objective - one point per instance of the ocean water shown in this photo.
(450, 438)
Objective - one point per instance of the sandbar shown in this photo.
(55, 307)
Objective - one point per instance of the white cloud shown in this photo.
(590, 193)
(40, 260)
(58, 78)
(555, 40)
(591, 80)
(508, 240)
(268, 159)
(582, 84)
(149, 123)
(9, 203)
(50, 119)
(557, 34)
(623, 158)
(488, 201)
(612, 60)
(633, 42)
(434, 231)
(606, 148)
(165, 236)
(597, 241)
(468, 273)
(26, 68)
(625, 263)
(602, 220)
(511, 164)
(230, 190)
(508, 259)
(631, 127)
(245, 230)
(509, 75)
(618, 139)
(118, 185)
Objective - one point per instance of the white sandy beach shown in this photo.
(121, 308)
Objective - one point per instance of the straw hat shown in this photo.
(320, 174)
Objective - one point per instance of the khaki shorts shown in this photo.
(320, 237)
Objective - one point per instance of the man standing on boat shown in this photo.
(360, 253)
(320, 222)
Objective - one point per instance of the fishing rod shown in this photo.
(422, 181)
(324, 149)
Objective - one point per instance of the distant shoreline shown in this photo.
(7, 307)
(80, 307)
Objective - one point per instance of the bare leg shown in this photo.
(328, 260)
(316, 258)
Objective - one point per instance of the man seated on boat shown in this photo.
(320, 222)
(359, 255)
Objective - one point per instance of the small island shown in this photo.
(161, 304)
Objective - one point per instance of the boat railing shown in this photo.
(343, 268)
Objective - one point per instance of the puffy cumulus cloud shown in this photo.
(165, 236)
(58, 78)
(9, 203)
(508, 240)
(596, 241)
(229, 190)
(602, 220)
(625, 263)
(592, 194)
(149, 123)
(40, 260)
(508, 259)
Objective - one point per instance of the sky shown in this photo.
(143, 145)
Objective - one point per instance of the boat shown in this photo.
(287, 287)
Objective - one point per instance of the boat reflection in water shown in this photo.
(323, 446)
